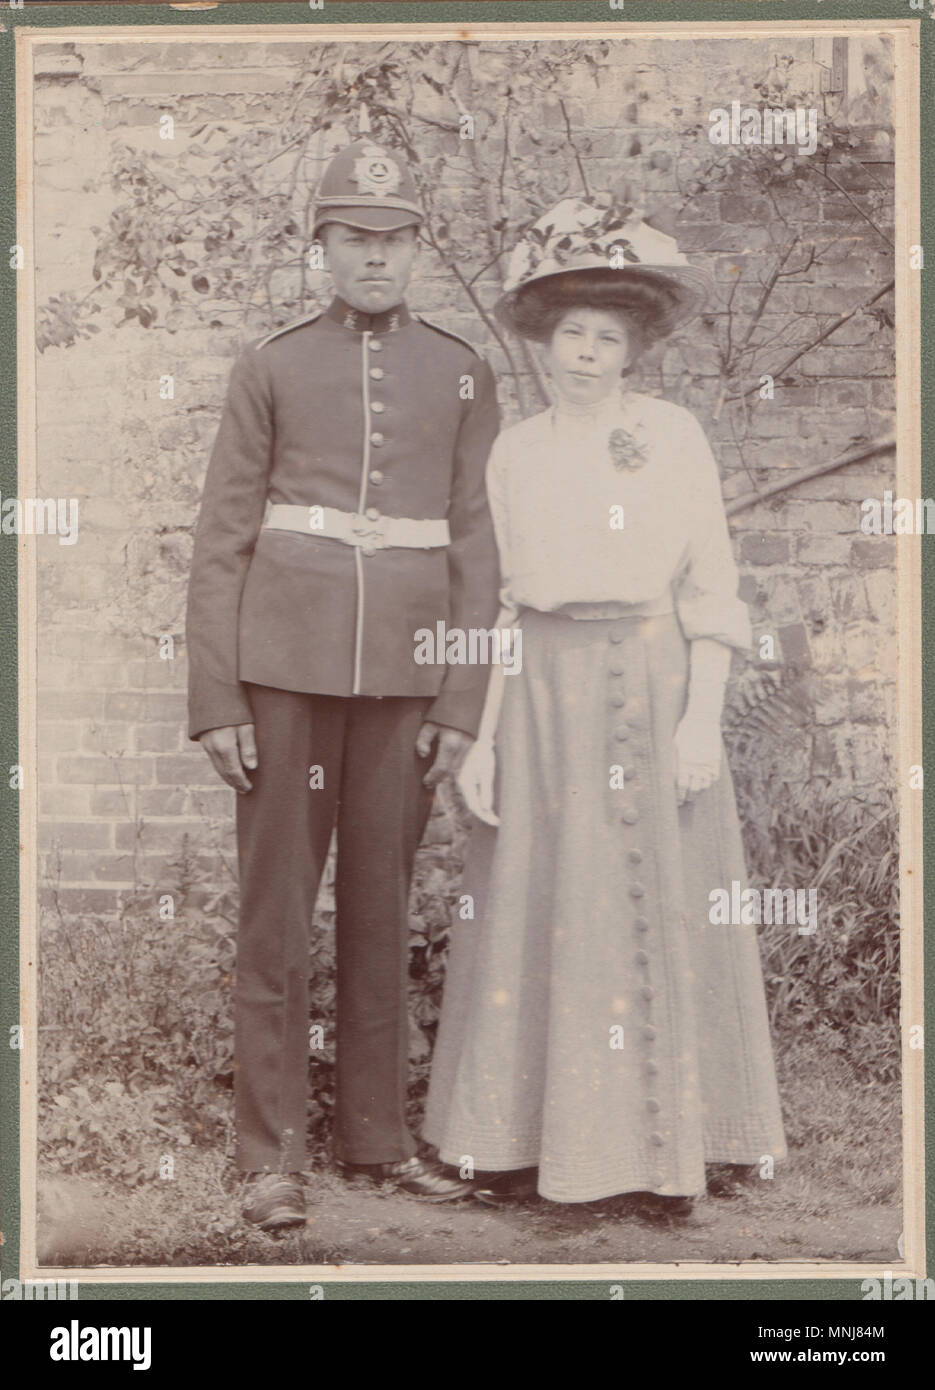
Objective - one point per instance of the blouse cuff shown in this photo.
(717, 616)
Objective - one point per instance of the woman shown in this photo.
(596, 1026)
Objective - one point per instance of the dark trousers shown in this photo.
(372, 786)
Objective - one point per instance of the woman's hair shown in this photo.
(649, 307)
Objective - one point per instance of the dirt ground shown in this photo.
(358, 1224)
(837, 1197)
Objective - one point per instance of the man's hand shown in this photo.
(449, 755)
(232, 750)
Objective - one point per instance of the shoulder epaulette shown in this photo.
(288, 327)
(448, 334)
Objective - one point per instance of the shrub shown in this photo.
(839, 986)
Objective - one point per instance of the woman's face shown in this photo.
(588, 350)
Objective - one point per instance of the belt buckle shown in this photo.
(370, 536)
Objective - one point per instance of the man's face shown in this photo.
(370, 269)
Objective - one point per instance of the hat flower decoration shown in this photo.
(578, 235)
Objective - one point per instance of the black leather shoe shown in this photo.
(659, 1209)
(425, 1178)
(499, 1189)
(273, 1200)
(730, 1180)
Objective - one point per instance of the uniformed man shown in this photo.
(344, 509)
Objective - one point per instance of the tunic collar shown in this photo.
(359, 322)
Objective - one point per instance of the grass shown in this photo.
(836, 1197)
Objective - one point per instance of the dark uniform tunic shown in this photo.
(370, 414)
(313, 640)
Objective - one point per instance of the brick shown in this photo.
(218, 802)
(837, 393)
(880, 586)
(75, 834)
(156, 674)
(873, 552)
(92, 644)
(760, 549)
(826, 648)
(860, 748)
(846, 361)
(829, 517)
(111, 739)
(163, 801)
(155, 88)
(110, 771)
(163, 706)
(85, 902)
(734, 207)
(57, 802)
(824, 757)
(111, 868)
(54, 672)
(60, 737)
(161, 870)
(152, 835)
(866, 698)
(851, 484)
(823, 550)
(848, 596)
(833, 706)
(112, 801)
(185, 769)
(159, 738)
(862, 645)
(793, 643)
(839, 423)
(69, 704)
(883, 393)
(95, 582)
(100, 675)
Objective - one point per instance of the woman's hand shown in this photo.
(697, 756)
(475, 781)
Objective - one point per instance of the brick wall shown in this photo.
(120, 784)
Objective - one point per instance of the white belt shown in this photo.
(370, 531)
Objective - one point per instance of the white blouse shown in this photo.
(617, 502)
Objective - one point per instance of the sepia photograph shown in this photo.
(469, 651)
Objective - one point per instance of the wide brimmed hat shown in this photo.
(367, 185)
(577, 236)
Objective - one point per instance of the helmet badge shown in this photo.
(376, 173)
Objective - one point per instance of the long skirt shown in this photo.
(595, 1024)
